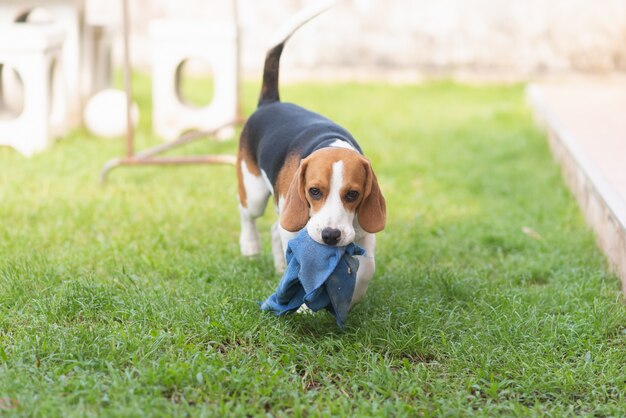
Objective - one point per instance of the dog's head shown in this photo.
(332, 190)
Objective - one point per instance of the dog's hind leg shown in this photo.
(253, 196)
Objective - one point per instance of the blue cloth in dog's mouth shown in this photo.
(320, 276)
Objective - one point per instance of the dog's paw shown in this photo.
(280, 268)
(279, 264)
(304, 310)
(250, 248)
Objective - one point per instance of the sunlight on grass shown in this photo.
(132, 299)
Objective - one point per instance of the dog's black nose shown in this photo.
(331, 236)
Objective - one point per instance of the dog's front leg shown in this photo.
(367, 266)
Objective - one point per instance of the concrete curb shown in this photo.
(603, 208)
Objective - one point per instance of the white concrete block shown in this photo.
(174, 42)
(33, 51)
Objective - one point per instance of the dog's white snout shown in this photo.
(333, 215)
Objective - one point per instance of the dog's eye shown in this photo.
(352, 195)
(315, 193)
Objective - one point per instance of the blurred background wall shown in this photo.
(410, 39)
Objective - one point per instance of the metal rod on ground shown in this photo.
(183, 139)
(200, 159)
(147, 157)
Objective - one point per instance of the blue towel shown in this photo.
(318, 275)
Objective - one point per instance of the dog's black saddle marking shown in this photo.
(277, 129)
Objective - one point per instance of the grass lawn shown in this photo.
(133, 300)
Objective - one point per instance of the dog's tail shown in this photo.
(269, 90)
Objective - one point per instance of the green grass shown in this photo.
(132, 299)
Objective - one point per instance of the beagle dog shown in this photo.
(315, 171)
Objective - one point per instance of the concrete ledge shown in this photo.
(596, 187)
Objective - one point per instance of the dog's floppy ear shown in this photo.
(295, 212)
(372, 213)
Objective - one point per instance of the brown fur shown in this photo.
(285, 176)
(295, 212)
(372, 213)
